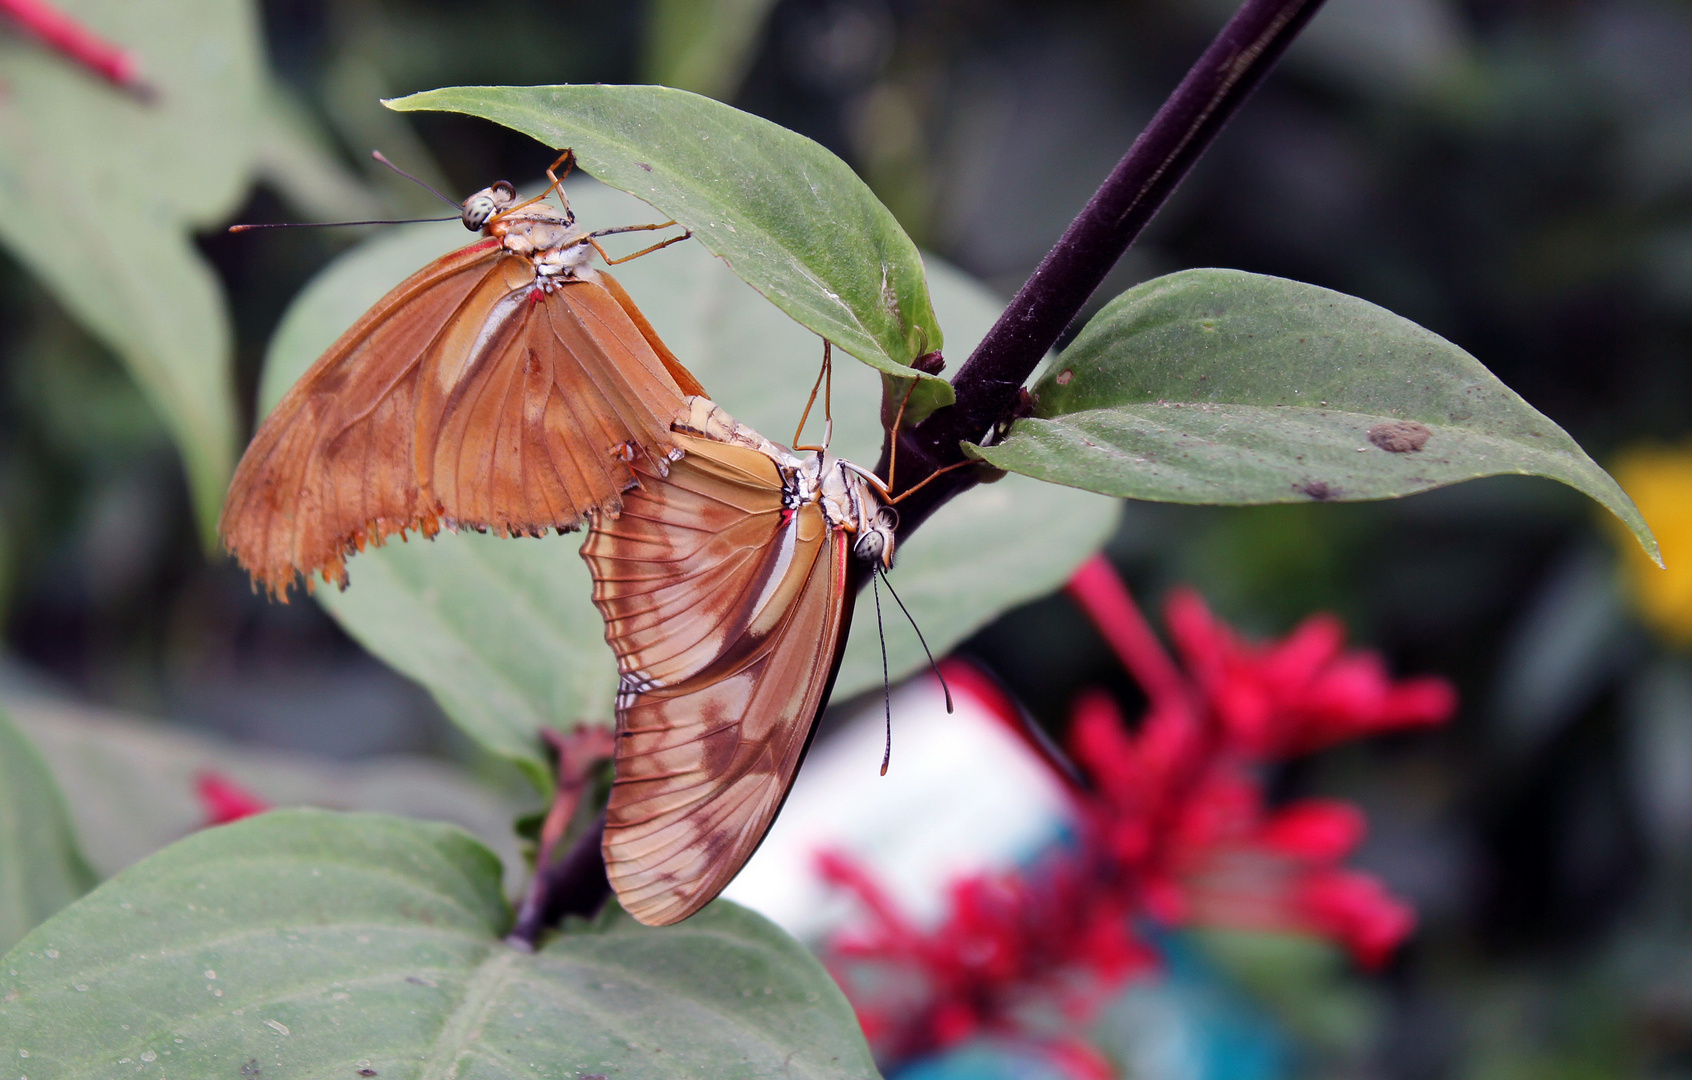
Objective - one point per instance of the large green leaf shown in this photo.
(789, 217)
(312, 944)
(1222, 387)
(503, 631)
(41, 868)
(100, 193)
(130, 781)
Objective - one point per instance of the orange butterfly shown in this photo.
(726, 586)
(505, 386)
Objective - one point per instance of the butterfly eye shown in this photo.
(875, 544)
(483, 205)
(868, 545)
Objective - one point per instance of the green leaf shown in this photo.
(1228, 388)
(503, 632)
(316, 944)
(130, 781)
(100, 195)
(41, 868)
(789, 217)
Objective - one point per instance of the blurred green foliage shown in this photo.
(41, 867)
(1517, 178)
(128, 182)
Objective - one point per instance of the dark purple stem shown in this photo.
(574, 885)
(988, 383)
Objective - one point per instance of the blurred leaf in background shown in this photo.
(702, 45)
(41, 866)
(131, 781)
(100, 193)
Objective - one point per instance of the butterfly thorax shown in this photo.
(848, 501)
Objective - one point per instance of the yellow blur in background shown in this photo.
(1659, 478)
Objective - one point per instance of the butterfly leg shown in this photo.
(557, 185)
(633, 228)
(893, 436)
(936, 473)
(825, 380)
(609, 261)
(568, 160)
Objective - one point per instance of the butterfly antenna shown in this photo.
(886, 690)
(334, 224)
(378, 155)
(936, 667)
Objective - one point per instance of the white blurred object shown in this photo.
(965, 792)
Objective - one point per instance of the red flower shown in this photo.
(1010, 944)
(1357, 911)
(1172, 825)
(64, 35)
(1301, 694)
(223, 800)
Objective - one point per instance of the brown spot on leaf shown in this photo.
(1065, 376)
(1399, 436)
(367, 1072)
(1319, 490)
(644, 165)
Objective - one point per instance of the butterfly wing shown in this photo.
(684, 378)
(726, 613)
(464, 397)
(539, 422)
(332, 467)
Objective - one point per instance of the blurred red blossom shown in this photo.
(1172, 828)
(1299, 694)
(69, 38)
(223, 800)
